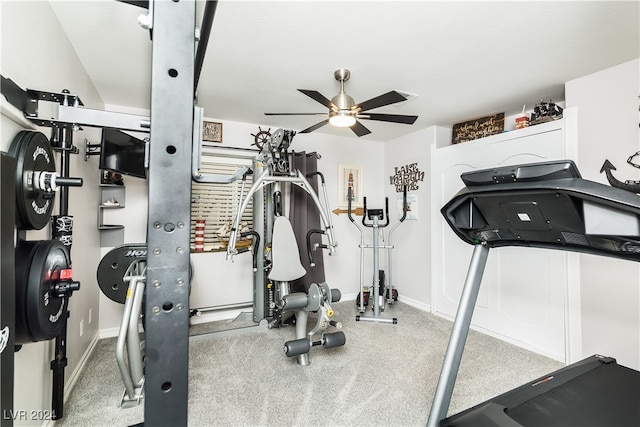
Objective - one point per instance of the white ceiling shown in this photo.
(463, 59)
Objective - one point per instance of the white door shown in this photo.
(522, 295)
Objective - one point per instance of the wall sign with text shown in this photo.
(408, 175)
(478, 128)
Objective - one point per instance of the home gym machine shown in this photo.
(549, 206)
(382, 294)
(280, 264)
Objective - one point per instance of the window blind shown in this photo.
(217, 204)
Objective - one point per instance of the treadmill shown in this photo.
(542, 205)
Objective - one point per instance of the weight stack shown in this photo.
(7, 285)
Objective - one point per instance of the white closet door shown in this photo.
(522, 295)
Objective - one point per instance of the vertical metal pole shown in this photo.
(376, 267)
(65, 137)
(260, 300)
(459, 333)
(167, 296)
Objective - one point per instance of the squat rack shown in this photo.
(175, 71)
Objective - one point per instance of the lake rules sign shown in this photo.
(408, 175)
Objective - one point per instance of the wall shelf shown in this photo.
(111, 197)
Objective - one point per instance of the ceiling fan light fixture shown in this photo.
(342, 120)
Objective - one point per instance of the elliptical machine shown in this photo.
(381, 293)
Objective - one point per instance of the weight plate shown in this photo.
(114, 265)
(33, 153)
(40, 314)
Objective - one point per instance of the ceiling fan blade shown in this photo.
(314, 127)
(317, 96)
(295, 114)
(359, 129)
(394, 118)
(380, 101)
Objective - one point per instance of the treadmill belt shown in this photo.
(607, 396)
(595, 392)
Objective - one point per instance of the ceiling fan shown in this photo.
(344, 112)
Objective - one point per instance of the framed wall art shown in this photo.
(211, 131)
(349, 176)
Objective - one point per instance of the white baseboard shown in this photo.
(415, 303)
(510, 340)
(212, 316)
(349, 297)
(108, 333)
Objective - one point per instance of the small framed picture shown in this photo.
(350, 176)
(212, 131)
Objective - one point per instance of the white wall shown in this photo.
(411, 240)
(36, 54)
(608, 120)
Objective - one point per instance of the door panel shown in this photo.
(521, 297)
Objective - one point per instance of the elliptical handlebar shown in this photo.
(404, 203)
(404, 212)
(364, 207)
(386, 209)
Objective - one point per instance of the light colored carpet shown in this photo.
(385, 375)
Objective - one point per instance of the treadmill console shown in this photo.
(545, 205)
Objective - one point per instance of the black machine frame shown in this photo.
(175, 70)
(7, 286)
(167, 298)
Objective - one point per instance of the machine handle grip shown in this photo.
(248, 172)
(364, 216)
(309, 250)
(310, 175)
(254, 248)
(386, 210)
(349, 197)
(404, 203)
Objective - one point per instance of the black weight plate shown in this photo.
(114, 265)
(23, 257)
(40, 314)
(32, 152)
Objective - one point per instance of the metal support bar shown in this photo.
(136, 366)
(376, 267)
(168, 225)
(301, 332)
(100, 118)
(121, 356)
(205, 31)
(444, 390)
